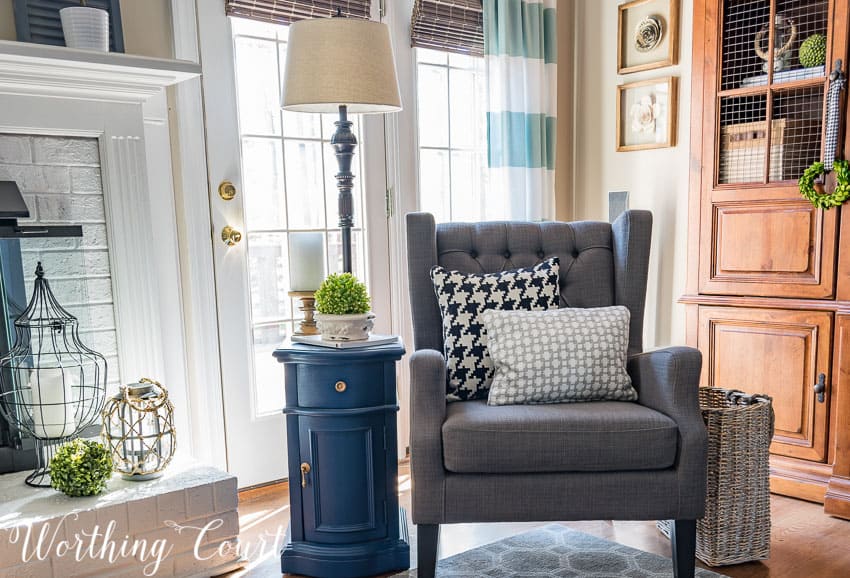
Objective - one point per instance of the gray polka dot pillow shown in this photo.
(558, 356)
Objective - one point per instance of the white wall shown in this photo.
(657, 180)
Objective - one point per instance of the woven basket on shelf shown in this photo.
(736, 526)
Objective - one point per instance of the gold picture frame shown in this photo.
(646, 114)
(647, 35)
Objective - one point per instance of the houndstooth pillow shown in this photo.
(567, 355)
(463, 296)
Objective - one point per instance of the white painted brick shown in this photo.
(15, 149)
(33, 569)
(199, 501)
(82, 291)
(32, 208)
(116, 514)
(188, 564)
(94, 316)
(86, 180)
(65, 151)
(94, 236)
(225, 526)
(226, 495)
(70, 209)
(171, 506)
(141, 514)
(37, 179)
(66, 265)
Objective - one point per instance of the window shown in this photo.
(451, 104)
(288, 186)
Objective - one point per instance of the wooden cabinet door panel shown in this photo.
(779, 353)
(771, 248)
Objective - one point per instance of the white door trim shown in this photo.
(204, 383)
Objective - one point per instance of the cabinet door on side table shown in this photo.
(780, 353)
(344, 496)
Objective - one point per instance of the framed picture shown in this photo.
(646, 114)
(647, 35)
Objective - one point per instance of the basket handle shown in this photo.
(739, 397)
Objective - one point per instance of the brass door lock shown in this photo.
(305, 469)
(227, 190)
(230, 236)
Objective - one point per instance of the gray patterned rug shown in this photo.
(556, 551)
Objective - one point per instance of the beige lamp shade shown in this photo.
(340, 61)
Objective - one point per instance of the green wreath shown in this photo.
(824, 201)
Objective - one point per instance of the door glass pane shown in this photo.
(262, 181)
(287, 175)
(305, 183)
(795, 132)
(267, 338)
(743, 139)
(268, 266)
(257, 86)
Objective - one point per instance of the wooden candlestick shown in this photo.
(308, 306)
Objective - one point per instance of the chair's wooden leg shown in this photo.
(427, 536)
(683, 539)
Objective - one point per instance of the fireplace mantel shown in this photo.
(42, 70)
(121, 101)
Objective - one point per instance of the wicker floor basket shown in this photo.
(736, 526)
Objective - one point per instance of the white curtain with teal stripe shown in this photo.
(521, 57)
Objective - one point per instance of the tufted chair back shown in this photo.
(601, 264)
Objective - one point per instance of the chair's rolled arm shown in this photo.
(427, 414)
(667, 380)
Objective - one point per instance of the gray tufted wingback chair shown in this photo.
(471, 462)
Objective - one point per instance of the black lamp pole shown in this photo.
(344, 142)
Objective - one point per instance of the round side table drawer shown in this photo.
(331, 386)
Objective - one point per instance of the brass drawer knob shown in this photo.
(340, 386)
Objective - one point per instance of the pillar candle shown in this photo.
(307, 260)
(53, 403)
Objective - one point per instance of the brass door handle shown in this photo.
(230, 236)
(226, 190)
(305, 469)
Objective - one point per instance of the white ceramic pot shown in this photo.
(345, 327)
(85, 27)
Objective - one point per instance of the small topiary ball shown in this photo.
(813, 51)
(342, 294)
(80, 468)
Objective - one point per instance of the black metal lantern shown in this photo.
(51, 385)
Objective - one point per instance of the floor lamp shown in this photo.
(341, 65)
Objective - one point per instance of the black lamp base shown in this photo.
(344, 143)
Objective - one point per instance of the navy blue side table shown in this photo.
(343, 462)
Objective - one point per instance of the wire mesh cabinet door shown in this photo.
(763, 126)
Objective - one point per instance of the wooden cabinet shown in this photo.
(343, 462)
(768, 291)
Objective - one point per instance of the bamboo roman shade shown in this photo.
(449, 25)
(289, 11)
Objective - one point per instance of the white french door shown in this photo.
(282, 166)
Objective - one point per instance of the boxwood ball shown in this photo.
(813, 51)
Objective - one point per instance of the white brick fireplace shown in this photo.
(85, 135)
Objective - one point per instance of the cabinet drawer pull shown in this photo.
(820, 388)
(305, 469)
(340, 386)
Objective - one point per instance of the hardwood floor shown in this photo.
(806, 543)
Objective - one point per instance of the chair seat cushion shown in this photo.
(566, 437)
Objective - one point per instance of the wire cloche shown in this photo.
(51, 385)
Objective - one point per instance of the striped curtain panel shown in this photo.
(521, 59)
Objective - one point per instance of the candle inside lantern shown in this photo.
(307, 258)
(52, 403)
